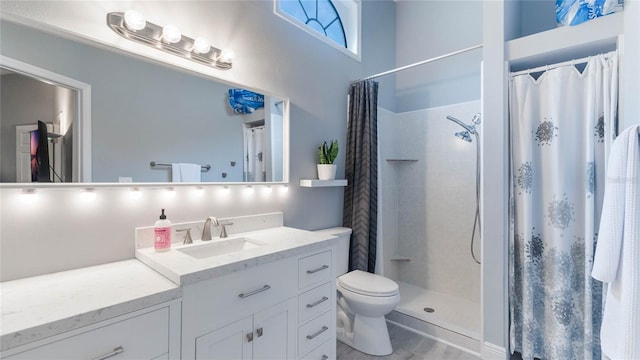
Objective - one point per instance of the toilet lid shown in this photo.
(365, 283)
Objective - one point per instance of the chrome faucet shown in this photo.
(206, 230)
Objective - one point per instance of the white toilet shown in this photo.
(363, 301)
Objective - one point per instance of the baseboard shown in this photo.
(493, 352)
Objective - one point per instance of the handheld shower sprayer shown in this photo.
(466, 136)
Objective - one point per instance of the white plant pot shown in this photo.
(326, 171)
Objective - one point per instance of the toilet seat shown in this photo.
(368, 284)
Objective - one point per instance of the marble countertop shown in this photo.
(277, 243)
(41, 306)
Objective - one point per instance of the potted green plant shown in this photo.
(326, 156)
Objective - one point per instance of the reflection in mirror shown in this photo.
(30, 153)
(141, 112)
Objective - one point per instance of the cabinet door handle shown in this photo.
(312, 336)
(246, 295)
(324, 357)
(323, 267)
(259, 332)
(250, 337)
(116, 351)
(324, 298)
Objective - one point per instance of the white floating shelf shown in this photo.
(322, 183)
(565, 42)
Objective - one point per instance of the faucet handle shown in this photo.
(187, 236)
(223, 229)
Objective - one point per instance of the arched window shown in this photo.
(336, 22)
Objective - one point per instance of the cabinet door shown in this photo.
(275, 332)
(233, 341)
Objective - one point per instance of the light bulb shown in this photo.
(248, 190)
(170, 193)
(135, 193)
(227, 55)
(134, 20)
(29, 196)
(284, 189)
(88, 195)
(225, 190)
(267, 189)
(201, 45)
(198, 191)
(171, 34)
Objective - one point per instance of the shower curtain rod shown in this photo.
(554, 66)
(419, 63)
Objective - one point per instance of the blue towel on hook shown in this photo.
(243, 101)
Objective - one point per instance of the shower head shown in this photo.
(469, 129)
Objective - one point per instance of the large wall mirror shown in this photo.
(146, 120)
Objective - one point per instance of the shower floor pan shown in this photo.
(454, 321)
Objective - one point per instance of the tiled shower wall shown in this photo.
(428, 203)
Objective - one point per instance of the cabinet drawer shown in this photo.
(315, 332)
(208, 304)
(145, 336)
(314, 269)
(314, 302)
(326, 351)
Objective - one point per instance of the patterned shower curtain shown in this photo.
(360, 211)
(561, 127)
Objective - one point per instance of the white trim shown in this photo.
(82, 128)
(493, 352)
(353, 53)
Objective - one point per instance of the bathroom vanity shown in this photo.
(272, 300)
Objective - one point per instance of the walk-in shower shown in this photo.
(426, 195)
(470, 129)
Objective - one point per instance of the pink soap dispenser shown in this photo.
(162, 233)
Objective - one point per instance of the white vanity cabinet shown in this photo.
(283, 309)
(143, 334)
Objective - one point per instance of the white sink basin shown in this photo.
(220, 247)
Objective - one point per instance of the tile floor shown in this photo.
(408, 345)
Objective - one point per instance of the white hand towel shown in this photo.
(183, 172)
(617, 258)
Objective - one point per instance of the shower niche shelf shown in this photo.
(322, 183)
(400, 258)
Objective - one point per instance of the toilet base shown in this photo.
(370, 336)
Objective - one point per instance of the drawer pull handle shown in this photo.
(250, 337)
(324, 357)
(323, 267)
(246, 295)
(116, 351)
(312, 336)
(259, 332)
(324, 298)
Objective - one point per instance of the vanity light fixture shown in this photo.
(29, 196)
(133, 26)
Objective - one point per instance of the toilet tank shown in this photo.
(344, 240)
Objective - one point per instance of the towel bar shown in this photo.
(154, 164)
